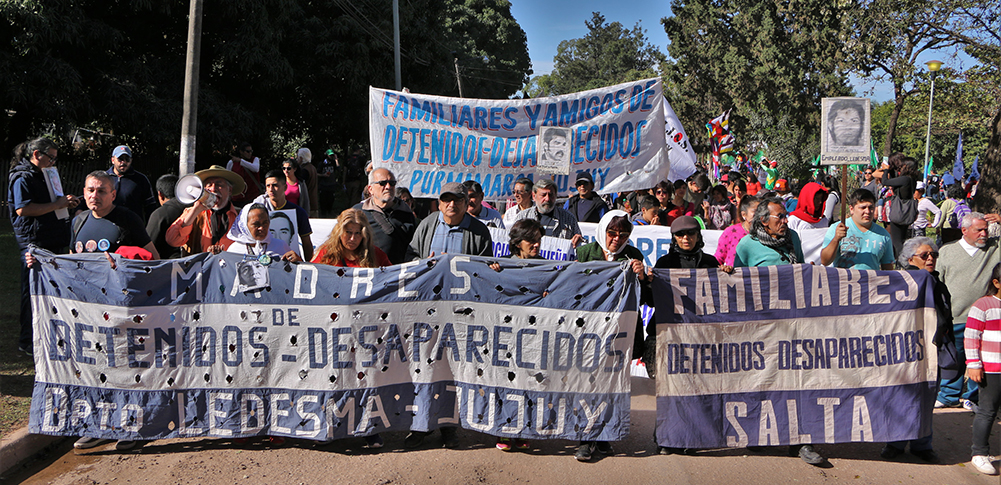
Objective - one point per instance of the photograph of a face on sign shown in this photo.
(285, 226)
(845, 124)
(554, 151)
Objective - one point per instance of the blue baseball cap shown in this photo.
(122, 150)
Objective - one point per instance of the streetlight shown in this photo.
(933, 66)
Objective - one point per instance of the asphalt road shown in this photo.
(635, 461)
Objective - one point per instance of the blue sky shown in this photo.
(547, 22)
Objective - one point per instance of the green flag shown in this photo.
(873, 159)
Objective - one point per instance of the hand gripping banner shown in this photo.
(168, 349)
(793, 354)
(616, 134)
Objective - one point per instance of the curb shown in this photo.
(20, 445)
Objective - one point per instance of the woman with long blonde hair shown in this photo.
(350, 244)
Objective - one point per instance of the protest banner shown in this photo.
(793, 354)
(615, 133)
(168, 349)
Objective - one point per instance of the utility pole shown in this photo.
(396, 44)
(458, 79)
(189, 123)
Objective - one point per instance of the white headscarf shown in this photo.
(240, 234)
(603, 225)
(240, 231)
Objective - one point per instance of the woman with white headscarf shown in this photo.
(612, 244)
(251, 237)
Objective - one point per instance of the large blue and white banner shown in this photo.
(166, 349)
(793, 354)
(615, 133)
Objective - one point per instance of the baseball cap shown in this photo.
(122, 150)
(586, 176)
(453, 188)
(774, 164)
(921, 185)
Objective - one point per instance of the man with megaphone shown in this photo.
(204, 226)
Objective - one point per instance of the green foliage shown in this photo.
(771, 61)
(272, 72)
(608, 54)
(486, 28)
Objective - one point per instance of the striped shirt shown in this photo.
(982, 338)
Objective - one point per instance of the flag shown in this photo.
(931, 161)
(719, 125)
(680, 153)
(974, 173)
(874, 159)
(957, 168)
(726, 143)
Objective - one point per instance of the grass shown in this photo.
(17, 370)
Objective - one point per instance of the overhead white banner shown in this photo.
(614, 133)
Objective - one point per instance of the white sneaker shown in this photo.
(940, 404)
(970, 406)
(87, 442)
(984, 464)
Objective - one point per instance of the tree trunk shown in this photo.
(989, 188)
(891, 127)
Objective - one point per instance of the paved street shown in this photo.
(477, 461)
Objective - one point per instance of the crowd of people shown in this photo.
(760, 216)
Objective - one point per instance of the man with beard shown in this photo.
(858, 243)
(392, 220)
(133, 188)
(556, 221)
(965, 267)
(771, 243)
(203, 226)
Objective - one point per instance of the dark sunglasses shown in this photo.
(687, 233)
(925, 254)
(286, 169)
(617, 234)
(383, 183)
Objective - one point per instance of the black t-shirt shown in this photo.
(120, 227)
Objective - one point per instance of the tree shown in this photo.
(478, 29)
(978, 26)
(888, 37)
(768, 60)
(608, 54)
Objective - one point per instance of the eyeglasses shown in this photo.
(383, 183)
(617, 234)
(687, 233)
(781, 217)
(926, 254)
(286, 169)
(660, 192)
(51, 158)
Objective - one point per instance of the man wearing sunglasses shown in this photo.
(858, 243)
(135, 193)
(393, 222)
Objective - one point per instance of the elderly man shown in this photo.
(858, 244)
(274, 199)
(556, 221)
(452, 229)
(203, 226)
(770, 243)
(106, 226)
(586, 205)
(486, 215)
(133, 188)
(522, 200)
(965, 267)
(392, 221)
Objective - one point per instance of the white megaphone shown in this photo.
(189, 189)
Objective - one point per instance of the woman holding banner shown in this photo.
(612, 244)
(350, 245)
(921, 253)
